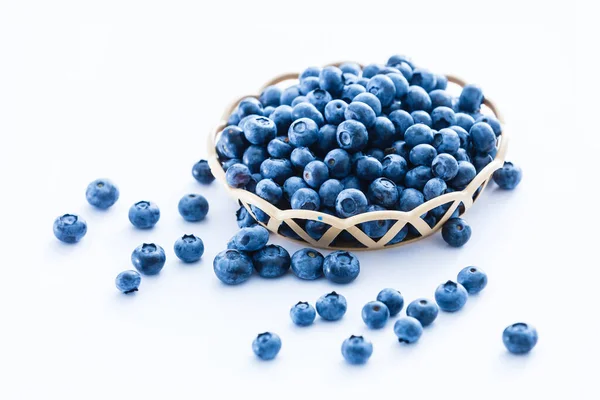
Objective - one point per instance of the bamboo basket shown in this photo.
(295, 218)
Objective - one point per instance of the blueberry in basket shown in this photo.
(349, 140)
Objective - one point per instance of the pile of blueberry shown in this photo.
(148, 258)
(451, 296)
(347, 140)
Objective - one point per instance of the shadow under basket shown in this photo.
(326, 231)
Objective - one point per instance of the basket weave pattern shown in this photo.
(352, 225)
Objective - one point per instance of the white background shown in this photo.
(129, 90)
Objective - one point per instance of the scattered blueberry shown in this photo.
(272, 261)
(148, 258)
(473, 279)
(456, 232)
(69, 228)
(252, 238)
(350, 202)
(102, 193)
(238, 175)
(408, 330)
(128, 281)
(144, 214)
(332, 306)
(520, 338)
(232, 266)
(189, 248)
(341, 267)
(266, 346)
(303, 314)
(508, 177)
(202, 173)
(451, 296)
(375, 314)
(424, 310)
(193, 207)
(307, 264)
(393, 299)
(356, 350)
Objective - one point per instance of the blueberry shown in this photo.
(189, 248)
(423, 78)
(282, 117)
(383, 192)
(350, 68)
(307, 110)
(360, 112)
(422, 154)
(520, 338)
(303, 314)
(316, 229)
(307, 85)
(260, 130)
(351, 182)
(298, 100)
(394, 168)
(368, 168)
(244, 121)
(425, 311)
(402, 121)
(456, 232)
(331, 79)
(483, 137)
(271, 96)
(417, 99)
(446, 141)
(305, 199)
(442, 117)
(260, 215)
(465, 174)
(327, 140)
(400, 84)
(148, 258)
(341, 267)
(69, 228)
(315, 173)
(369, 99)
(289, 94)
(371, 70)
(291, 185)
(421, 117)
(492, 122)
(441, 82)
(266, 346)
(375, 314)
(338, 162)
(376, 153)
(473, 279)
(238, 175)
(128, 281)
(270, 191)
(376, 228)
(382, 133)
(193, 207)
(232, 266)
(418, 134)
(408, 330)
(362, 81)
(356, 350)
(508, 177)
(351, 91)
(382, 87)
(332, 306)
(480, 161)
(301, 156)
(451, 296)
(393, 299)
(244, 218)
(329, 191)
(252, 238)
(310, 71)
(319, 98)
(202, 173)
(352, 136)
(400, 236)
(461, 155)
(267, 111)
(233, 119)
(254, 156)
(350, 202)
(463, 120)
(410, 199)
(278, 169)
(440, 98)
(280, 147)
(307, 264)
(334, 111)
(271, 261)
(445, 166)
(249, 106)
(397, 59)
(251, 185)
(417, 177)
(102, 193)
(433, 188)
(144, 214)
(470, 99)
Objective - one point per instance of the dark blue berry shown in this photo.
(425, 311)
(473, 279)
(520, 338)
(148, 258)
(341, 267)
(356, 350)
(69, 228)
(128, 281)
(508, 177)
(189, 248)
(375, 314)
(332, 306)
(456, 232)
(307, 263)
(451, 296)
(144, 214)
(393, 299)
(232, 266)
(305, 199)
(303, 314)
(408, 330)
(102, 193)
(272, 261)
(202, 173)
(193, 207)
(266, 346)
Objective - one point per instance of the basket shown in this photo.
(292, 221)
